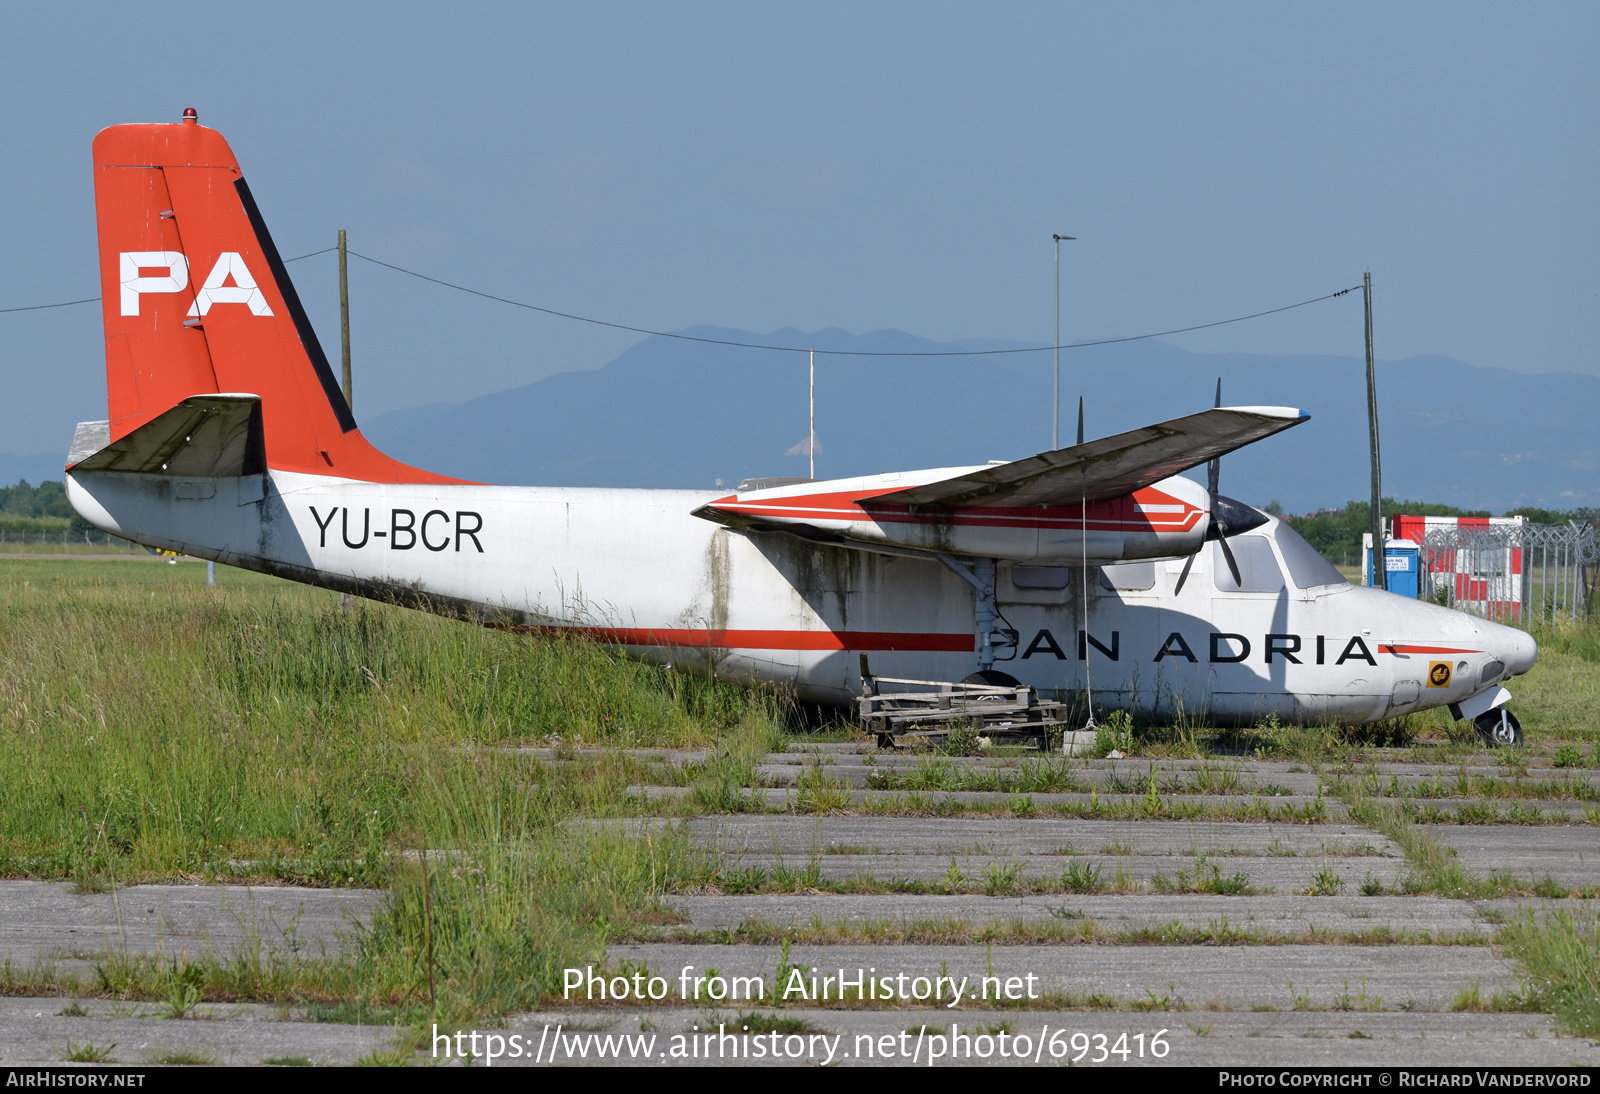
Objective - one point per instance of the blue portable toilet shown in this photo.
(1402, 565)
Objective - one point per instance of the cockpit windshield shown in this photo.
(1307, 568)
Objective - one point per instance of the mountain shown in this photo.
(671, 413)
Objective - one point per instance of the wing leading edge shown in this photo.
(1105, 468)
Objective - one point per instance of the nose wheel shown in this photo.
(1498, 727)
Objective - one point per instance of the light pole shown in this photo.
(1055, 412)
(811, 441)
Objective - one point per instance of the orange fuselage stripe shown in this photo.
(701, 638)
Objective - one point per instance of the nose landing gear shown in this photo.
(1498, 727)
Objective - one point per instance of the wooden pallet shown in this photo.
(898, 710)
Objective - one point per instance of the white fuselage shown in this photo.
(636, 568)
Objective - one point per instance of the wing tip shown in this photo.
(1294, 413)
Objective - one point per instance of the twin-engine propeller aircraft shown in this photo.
(228, 439)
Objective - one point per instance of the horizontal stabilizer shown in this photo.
(203, 437)
(1106, 468)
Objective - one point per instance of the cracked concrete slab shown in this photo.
(42, 921)
(1276, 915)
(34, 1031)
(1228, 977)
(1245, 783)
(1267, 874)
(1569, 854)
(784, 798)
(1195, 1039)
(790, 835)
(1520, 812)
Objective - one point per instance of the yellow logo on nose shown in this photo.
(1438, 674)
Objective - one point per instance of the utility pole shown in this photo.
(345, 600)
(1379, 575)
(811, 443)
(1055, 404)
(344, 318)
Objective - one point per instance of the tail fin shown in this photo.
(197, 301)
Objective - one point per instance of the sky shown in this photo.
(853, 165)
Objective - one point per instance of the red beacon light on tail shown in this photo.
(190, 116)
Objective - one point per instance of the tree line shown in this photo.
(1337, 532)
(25, 508)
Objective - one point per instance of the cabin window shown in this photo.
(1258, 566)
(1307, 568)
(1041, 577)
(1132, 576)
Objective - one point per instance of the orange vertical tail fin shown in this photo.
(197, 301)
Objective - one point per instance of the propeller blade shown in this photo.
(1188, 562)
(1214, 468)
(1233, 565)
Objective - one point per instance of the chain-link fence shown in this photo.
(1528, 574)
(10, 539)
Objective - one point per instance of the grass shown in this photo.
(1061, 775)
(1047, 776)
(1471, 999)
(1360, 1000)
(86, 1053)
(152, 729)
(1568, 755)
(759, 1022)
(182, 1000)
(326, 733)
(1560, 953)
(1466, 784)
(1562, 957)
(1066, 927)
(1204, 877)
(1327, 882)
(829, 795)
(1080, 876)
(1570, 640)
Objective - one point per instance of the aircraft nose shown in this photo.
(1518, 650)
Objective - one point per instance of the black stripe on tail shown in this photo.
(302, 325)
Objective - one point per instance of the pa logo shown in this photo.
(229, 282)
(1439, 674)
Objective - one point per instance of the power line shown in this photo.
(762, 345)
(326, 250)
(96, 299)
(843, 352)
(63, 304)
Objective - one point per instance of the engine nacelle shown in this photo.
(1165, 520)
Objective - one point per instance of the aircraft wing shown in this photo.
(1105, 468)
(205, 436)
